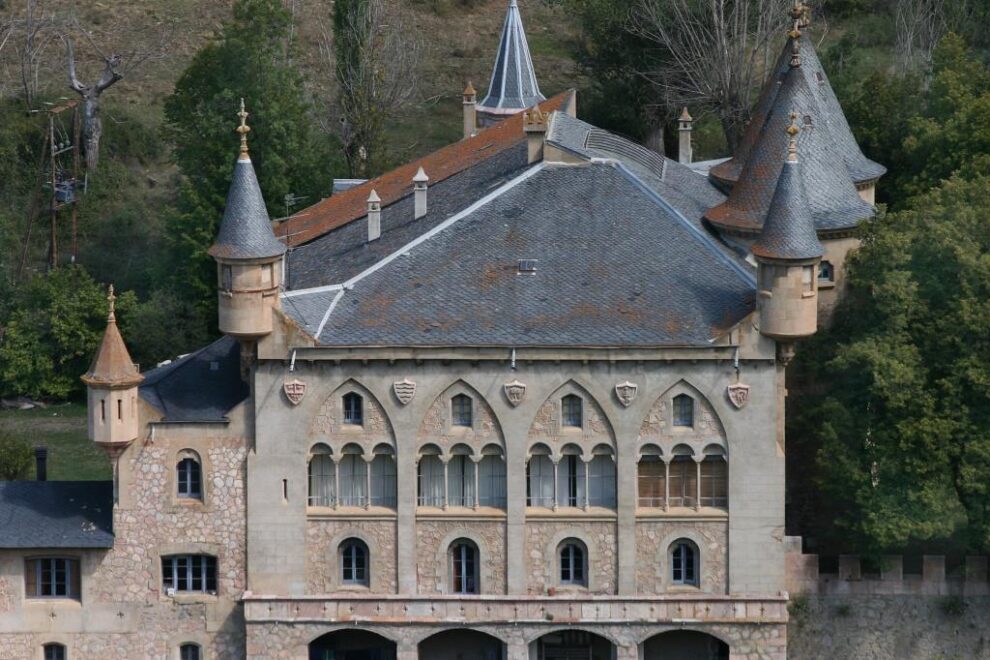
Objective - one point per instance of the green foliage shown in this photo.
(16, 455)
(249, 59)
(953, 606)
(900, 420)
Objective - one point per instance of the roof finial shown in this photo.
(793, 131)
(112, 299)
(243, 129)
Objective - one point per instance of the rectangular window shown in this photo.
(460, 481)
(383, 475)
(683, 482)
(714, 483)
(226, 278)
(54, 652)
(190, 574)
(808, 279)
(491, 481)
(571, 413)
(570, 481)
(51, 577)
(601, 482)
(353, 480)
(652, 482)
(460, 407)
(539, 481)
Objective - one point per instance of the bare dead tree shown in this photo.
(717, 52)
(35, 32)
(376, 62)
(92, 125)
(919, 24)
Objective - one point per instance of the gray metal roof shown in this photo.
(513, 87)
(617, 265)
(823, 105)
(789, 231)
(834, 201)
(200, 387)
(246, 230)
(56, 514)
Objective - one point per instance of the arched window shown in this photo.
(683, 410)
(322, 479)
(460, 478)
(539, 478)
(464, 567)
(826, 272)
(430, 482)
(460, 410)
(572, 563)
(189, 651)
(601, 478)
(383, 475)
(353, 408)
(652, 478)
(684, 563)
(491, 478)
(714, 481)
(354, 562)
(353, 471)
(683, 480)
(571, 478)
(189, 478)
(54, 652)
(571, 412)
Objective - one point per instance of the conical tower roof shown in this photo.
(112, 366)
(246, 230)
(825, 108)
(513, 87)
(832, 197)
(789, 231)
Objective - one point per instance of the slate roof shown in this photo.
(617, 265)
(834, 202)
(246, 230)
(513, 87)
(56, 514)
(789, 231)
(340, 209)
(200, 387)
(112, 364)
(823, 104)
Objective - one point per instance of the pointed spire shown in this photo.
(112, 366)
(513, 87)
(789, 230)
(246, 230)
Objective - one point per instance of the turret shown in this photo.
(247, 253)
(513, 87)
(685, 152)
(112, 387)
(788, 253)
(470, 103)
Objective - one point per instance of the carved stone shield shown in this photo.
(626, 392)
(515, 392)
(405, 390)
(294, 390)
(738, 395)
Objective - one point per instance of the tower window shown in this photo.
(808, 279)
(683, 410)
(826, 272)
(460, 408)
(226, 278)
(189, 478)
(353, 408)
(571, 412)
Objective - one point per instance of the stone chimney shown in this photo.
(421, 184)
(535, 127)
(470, 111)
(374, 216)
(685, 152)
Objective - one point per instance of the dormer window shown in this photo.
(353, 409)
(460, 410)
(683, 411)
(571, 412)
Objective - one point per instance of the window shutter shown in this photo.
(75, 589)
(30, 578)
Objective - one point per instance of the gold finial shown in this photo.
(112, 299)
(793, 131)
(243, 129)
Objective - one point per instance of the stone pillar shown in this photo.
(627, 652)
(515, 522)
(517, 650)
(685, 152)
(626, 496)
(405, 540)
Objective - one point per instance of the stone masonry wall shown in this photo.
(542, 539)
(434, 535)
(653, 538)
(323, 536)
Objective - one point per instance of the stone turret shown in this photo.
(788, 253)
(112, 387)
(513, 87)
(470, 103)
(248, 256)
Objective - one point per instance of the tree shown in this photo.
(249, 59)
(901, 434)
(376, 62)
(16, 454)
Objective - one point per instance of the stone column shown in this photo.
(515, 519)
(367, 481)
(476, 462)
(626, 497)
(587, 482)
(553, 499)
(405, 505)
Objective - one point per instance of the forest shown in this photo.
(117, 133)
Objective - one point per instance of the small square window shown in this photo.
(572, 414)
(460, 409)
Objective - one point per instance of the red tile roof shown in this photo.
(344, 207)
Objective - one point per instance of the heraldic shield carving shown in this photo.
(626, 393)
(515, 392)
(405, 390)
(294, 390)
(738, 395)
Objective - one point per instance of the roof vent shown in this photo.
(527, 265)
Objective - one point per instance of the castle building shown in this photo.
(520, 399)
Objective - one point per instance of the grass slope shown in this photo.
(62, 428)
